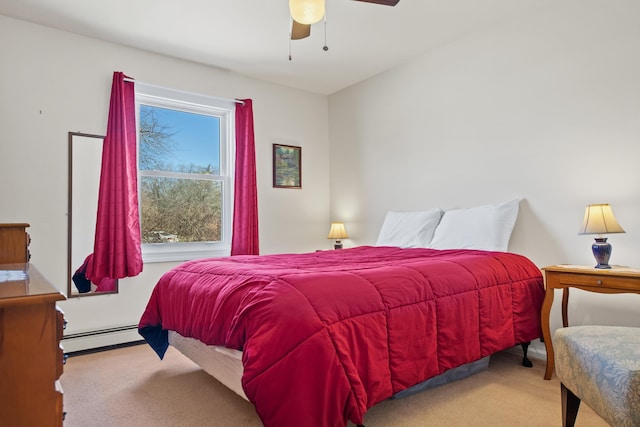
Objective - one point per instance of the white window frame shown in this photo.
(199, 104)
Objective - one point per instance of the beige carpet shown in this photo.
(132, 387)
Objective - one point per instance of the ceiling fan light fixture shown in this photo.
(306, 11)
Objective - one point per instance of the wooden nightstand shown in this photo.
(614, 281)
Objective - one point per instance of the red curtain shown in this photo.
(116, 251)
(245, 206)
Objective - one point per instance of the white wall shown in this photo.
(546, 107)
(53, 82)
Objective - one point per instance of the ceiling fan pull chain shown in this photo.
(325, 47)
(290, 34)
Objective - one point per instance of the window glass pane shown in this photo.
(179, 141)
(180, 210)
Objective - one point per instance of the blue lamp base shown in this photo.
(602, 252)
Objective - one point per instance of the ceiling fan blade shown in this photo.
(383, 2)
(299, 31)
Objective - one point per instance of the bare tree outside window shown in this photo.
(181, 188)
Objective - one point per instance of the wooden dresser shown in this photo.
(31, 327)
(14, 243)
(31, 358)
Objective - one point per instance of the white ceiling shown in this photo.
(251, 37)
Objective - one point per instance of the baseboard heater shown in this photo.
(99, 338)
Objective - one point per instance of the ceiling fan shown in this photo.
(307, 12)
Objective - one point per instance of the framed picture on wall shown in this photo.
(287, 166)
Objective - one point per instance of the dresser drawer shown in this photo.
(61, 323)
(60, 361)
(60, 414)
(599, 280)
(28, 253)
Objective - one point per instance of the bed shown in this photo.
(324, 336)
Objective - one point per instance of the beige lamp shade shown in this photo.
(306, 11)
(337, 231)
(599, 219)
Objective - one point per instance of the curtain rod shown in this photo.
(237, 101)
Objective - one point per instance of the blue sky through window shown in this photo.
(196, 137)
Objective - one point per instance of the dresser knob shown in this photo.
(599, 282)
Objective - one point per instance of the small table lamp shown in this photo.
(599, 219)
(337, 232)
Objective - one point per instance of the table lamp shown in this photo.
(337, 232)
(599, 219)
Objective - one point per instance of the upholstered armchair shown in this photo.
(600, 366)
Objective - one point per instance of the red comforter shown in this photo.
(327, 335)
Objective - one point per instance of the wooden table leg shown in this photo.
(546, 332)
(565, 302)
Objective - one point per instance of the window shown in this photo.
(185, 174)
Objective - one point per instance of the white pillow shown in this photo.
(409, 229)
(486, 227)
